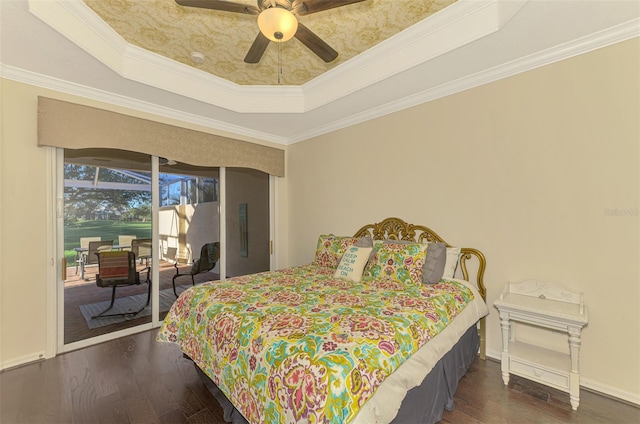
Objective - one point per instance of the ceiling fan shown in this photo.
(277, 21)
(165, 161)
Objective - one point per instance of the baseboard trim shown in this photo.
(608, 391)
(23, 360)
(591, 385)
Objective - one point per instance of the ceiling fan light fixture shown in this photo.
(277, 24)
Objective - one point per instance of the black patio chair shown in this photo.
(209, 256)
(117, 269)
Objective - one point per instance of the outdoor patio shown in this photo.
(79, 292)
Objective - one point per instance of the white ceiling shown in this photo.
(57, 44)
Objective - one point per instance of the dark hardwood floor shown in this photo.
(135, 379)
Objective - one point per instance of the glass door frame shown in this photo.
(61, 346)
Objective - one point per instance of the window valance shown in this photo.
(73, 126)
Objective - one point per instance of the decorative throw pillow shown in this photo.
(453, 256)
(434, 263)
(353, 262)
(365, 241)
(402, 262)
(330, 249)
(424, 268)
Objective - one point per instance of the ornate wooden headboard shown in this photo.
(397, 229)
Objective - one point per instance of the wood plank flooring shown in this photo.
(135, 380)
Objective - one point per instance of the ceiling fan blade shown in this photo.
(226, 6)
(315, 43)
(257, 49)
(306, 7)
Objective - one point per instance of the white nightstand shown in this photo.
(550, 306)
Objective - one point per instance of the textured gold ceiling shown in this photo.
(173, 31)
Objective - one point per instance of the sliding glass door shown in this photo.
(109, 213)
(107, 208)
(179, 223)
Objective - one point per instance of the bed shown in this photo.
(356, 336)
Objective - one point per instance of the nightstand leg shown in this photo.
(574, 375)
(574, 394)
(505, 325)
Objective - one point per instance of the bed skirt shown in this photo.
(423, 404)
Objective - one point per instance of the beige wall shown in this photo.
(23, 223)
(527, 169)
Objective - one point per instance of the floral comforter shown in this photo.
(299, 345)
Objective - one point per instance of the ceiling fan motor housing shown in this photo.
(266, 4)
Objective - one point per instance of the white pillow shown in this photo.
(352, 263)
(453, 256)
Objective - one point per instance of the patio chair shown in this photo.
(209, 255)
(124, 241)
(81, 252)
(142, 250)
(117, 269)
(94, 248)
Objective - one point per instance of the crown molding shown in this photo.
(610, 36)
(62, 86)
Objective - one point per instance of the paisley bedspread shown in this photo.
(299, 345)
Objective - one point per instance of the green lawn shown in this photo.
(107, 230)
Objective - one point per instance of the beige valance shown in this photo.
(72, 126)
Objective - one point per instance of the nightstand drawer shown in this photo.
(540, 374)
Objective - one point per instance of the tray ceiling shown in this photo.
(173, 31)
